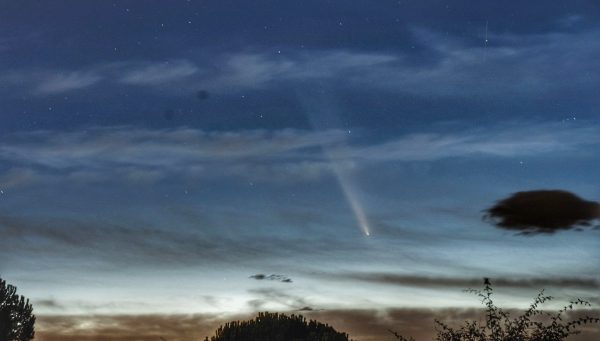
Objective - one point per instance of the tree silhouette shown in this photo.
(533, 325)
(277, 327)
(16, 315)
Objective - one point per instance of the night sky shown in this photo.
(168, 166)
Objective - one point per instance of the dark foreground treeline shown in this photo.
(16, 315)
(277, 327)
(533, 325)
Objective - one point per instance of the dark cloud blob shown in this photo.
(272, 277)
(543, 211)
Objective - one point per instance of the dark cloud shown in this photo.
(272, 277)
(543, 211)
(457, 282)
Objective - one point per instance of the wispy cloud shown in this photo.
(49, 81)
(200, 238)
(64, 82)
(158, 73)
(462, 282)
(244, 70)
(510, 140)
(18, 177)
(510, 65)
(272, 298)
(284, 155)
(144, 154)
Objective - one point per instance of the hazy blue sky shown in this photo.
(154, 155)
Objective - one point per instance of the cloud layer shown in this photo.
(138, 154)
(510, 65)
(365, 325)
(462, 282)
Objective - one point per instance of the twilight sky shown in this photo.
(154, 156)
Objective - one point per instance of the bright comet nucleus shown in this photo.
(351, 196)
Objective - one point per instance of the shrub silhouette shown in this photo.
(533, 325)
(16, 315)
(277, 327)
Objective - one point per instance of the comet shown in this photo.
(321, 114)
(351, 196)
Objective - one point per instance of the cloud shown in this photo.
(68, 81)
(272, 298)
(364, 325)
(509, 141)
(516, 65)
(146, 147)
(159, 73)
(18, 177)
(510, 65)
(272, 277)
(286, 155)
(67, 237)
(144, 155)
(48, 304)
(463, 282)
(127, 327)
(543, 211)
(243, 70)
(205, 237)
(125, 73)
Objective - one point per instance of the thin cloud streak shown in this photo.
(159, 73)
(511, 65)
(283, 154)
(65, 82)
(162, 247)
(458, 282)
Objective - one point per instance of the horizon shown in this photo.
(175, 166)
